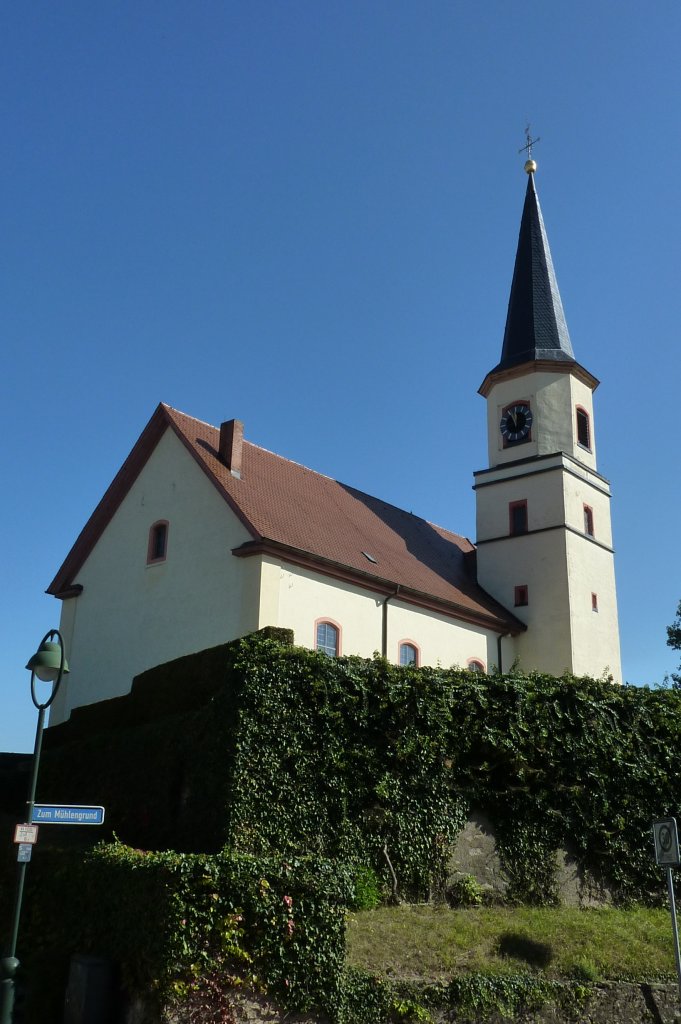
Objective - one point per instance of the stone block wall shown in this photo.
(475, 854)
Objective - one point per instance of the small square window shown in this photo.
(521, 596)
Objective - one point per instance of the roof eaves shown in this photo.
(505, 620)
(505, 372)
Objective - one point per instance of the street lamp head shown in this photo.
(46, 663)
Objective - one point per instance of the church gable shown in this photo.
(159, 581)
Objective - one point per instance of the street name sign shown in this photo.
(26, 834)
(67, 814)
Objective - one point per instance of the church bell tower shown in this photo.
(544, 537)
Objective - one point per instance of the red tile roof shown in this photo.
(310, 519)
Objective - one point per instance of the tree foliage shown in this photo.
(674, 641)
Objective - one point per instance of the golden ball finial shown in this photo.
(530, 166)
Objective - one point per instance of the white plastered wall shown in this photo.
(583, 488)
(539, 562)
(543, 492)
(305, 597)
(132, 616)
(595, 633)
(441, 641)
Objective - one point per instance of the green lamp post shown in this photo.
(49, 665)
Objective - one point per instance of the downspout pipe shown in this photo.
(500, 667)
(384, 638)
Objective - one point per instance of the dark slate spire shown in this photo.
(535, 323)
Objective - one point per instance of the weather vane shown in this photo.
(530, 164)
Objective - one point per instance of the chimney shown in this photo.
(231, 444)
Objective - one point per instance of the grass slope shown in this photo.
(433, 943)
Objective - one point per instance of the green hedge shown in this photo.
(170, 919)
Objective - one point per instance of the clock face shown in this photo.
(515, 423)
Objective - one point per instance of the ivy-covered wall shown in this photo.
(174, 924)
(270, 786)
(271, 749)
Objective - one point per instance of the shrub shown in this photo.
(465, 891)
(368, 890)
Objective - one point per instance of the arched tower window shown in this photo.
(583, 428)
(475, 665)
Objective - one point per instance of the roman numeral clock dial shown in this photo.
(516, 423)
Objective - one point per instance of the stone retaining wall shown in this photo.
(614, 1003)
(475, 854)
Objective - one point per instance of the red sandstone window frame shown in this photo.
(157, 544)
(326, 621)
(583, 426)
(414, 647)
(513, 508)
(476, 665)
(589, 521)
(521, 596)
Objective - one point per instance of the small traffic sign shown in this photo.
(67, 814)
(24, 851)
(666, 839)
(26, 834)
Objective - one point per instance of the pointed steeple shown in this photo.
(535, 323)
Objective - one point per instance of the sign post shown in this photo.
(666, 838)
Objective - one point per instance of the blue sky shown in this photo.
(304, 215)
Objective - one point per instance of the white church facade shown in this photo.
(203, 536)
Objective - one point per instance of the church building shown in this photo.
(203, 536)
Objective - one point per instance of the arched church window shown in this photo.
(409, 654)
(475, 665)
(158, 542)
(327, 638)
(583, 428)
